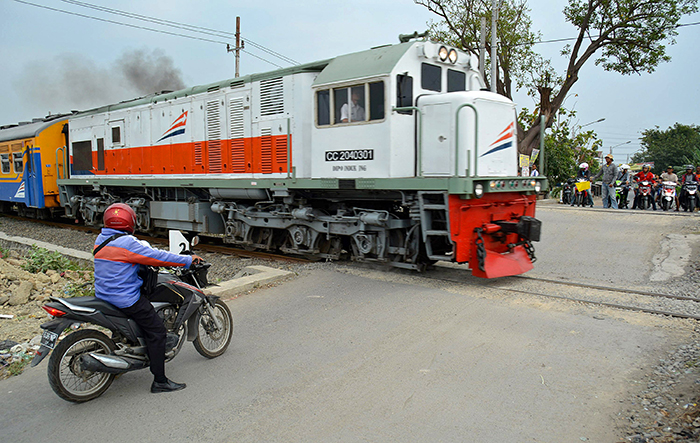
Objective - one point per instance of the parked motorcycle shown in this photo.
(582, 196)
(690, 196)
(645, 195)
(86, 361)
(668, 195)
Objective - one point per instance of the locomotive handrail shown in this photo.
(419, 159)
(476, 140)
(58, 171)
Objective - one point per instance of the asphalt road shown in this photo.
(336, 357)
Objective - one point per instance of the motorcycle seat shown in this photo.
(95, 303)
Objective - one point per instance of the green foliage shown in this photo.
(74, 289)
(41, 260)
(16, 367)
(677, 145)
(565, 146)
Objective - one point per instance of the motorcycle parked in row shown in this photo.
(85, 362)
(621, 193)
(689, 200)
(567, 191)
(668, 195)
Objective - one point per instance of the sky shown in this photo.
(45, 52)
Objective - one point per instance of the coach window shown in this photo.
(5, 163)
(431, 77)
(323, 107)
(456, 80)
(17, 162)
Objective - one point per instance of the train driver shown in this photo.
(357, 112)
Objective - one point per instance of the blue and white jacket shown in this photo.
(117, 267)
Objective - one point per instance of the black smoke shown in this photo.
(73, 81)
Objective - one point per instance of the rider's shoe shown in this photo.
(167, 386)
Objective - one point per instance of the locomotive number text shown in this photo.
(344, 156)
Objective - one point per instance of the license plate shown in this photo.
(49, 339)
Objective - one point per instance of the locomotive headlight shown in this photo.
(538, 187)
(478, 190)
(442, 53)
(493, 185)
(452, 56)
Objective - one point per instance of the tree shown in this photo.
(678, 145)
(626, 36)
(566, 146)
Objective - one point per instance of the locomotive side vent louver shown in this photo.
(271, 97)
(214, 136)
(237, 135)
(266, 150)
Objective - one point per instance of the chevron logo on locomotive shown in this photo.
(177, 128)
(506, 137)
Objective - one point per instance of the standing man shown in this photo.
(609, 173)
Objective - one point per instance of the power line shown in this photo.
(184, 26)
(140, 27)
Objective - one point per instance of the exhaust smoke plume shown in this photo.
(73, 81)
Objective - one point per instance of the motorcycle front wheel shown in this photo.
(212, 342)
(66, 377)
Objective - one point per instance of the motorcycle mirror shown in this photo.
(195, 240)
(178, 242)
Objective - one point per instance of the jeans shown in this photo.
(608, 191)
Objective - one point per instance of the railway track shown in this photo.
(678, 306)
(591, 294)
(207, 245)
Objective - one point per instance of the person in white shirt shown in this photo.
(534, 172)
(357, 112)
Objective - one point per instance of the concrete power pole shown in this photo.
(494, 42)
(239, 45)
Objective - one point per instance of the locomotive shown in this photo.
(394, 154)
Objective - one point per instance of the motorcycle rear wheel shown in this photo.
(691, 204)
(67, 379)
(211, 343)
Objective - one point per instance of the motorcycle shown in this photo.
(668, 195)
(85, 362)
(690, 196)
(582, 196)
(645, 195)
(567, 192)
(621, 193)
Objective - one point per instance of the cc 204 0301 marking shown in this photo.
(344, 156)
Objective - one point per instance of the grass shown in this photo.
(41, 260)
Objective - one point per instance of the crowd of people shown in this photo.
(617, 181)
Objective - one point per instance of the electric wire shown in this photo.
(178, 25)
(141, 28)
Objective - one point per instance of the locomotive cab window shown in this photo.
(353, 104)
(456, 80)
(5, 163)
(17, 162)
(404, 92)
(431, 77)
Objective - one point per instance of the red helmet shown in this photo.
(120, 217)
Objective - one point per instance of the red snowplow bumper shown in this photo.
(493, 233)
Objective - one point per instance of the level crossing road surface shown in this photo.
(349, 356)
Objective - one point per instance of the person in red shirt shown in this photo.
(644, 175)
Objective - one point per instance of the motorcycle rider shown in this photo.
(584, 174)
(689, 176)
(624, 178)
(609, 173)
(668, 176)
(644, 175)
(117, 282)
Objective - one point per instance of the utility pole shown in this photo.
(494, 42)
(239, 45)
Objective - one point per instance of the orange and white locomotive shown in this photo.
(394, 154)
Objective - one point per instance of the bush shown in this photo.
(41, 260)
